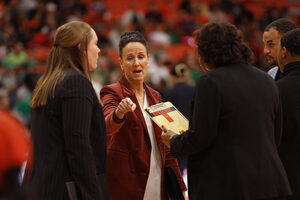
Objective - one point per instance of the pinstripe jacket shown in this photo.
(69, 137)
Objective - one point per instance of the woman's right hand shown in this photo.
(125, 106)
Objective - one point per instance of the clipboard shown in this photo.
(167, 114)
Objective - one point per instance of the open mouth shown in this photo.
(137, 71)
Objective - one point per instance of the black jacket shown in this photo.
(289, 150)
(69, 138)
(232, 142)
(181, 96)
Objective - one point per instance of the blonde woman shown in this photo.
(67, 126)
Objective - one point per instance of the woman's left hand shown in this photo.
(166, 135)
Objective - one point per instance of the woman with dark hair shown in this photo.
(136, 155)
(236, 124)
(67, 125)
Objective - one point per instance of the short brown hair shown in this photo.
(132, 36)
(221, 43)
(282, 25)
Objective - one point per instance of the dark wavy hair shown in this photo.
(132, 36)
(221, 43)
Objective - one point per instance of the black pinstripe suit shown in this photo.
(70, 142)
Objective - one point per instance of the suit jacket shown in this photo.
(129, 147)
(289, 150)
(70, 142)
(231, 144)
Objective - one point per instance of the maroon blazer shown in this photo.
(128, 144)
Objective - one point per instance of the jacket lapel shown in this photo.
(128, 92)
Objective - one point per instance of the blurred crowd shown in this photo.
(27, 28)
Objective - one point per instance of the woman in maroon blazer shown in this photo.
(136, 155)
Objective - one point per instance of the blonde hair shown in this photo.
(68, 52)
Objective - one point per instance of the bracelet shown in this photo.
(116, 119)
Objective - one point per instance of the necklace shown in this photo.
(142, 97)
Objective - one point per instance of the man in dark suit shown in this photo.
(289, 90)
(271, 39)
(236, 124)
